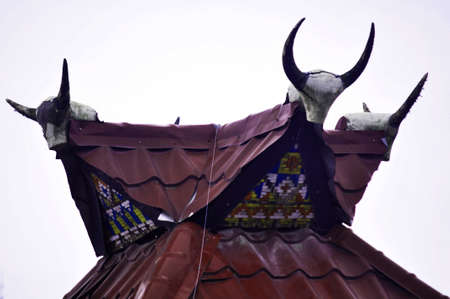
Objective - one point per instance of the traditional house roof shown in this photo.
(181, 171)
(240, 264)
(254, 208)
(176, 171)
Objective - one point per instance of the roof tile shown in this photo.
(270, 264)
(173, 164)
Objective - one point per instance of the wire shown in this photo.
(206, 214)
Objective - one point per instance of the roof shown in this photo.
(184, 167)
(183, 170)
(241, 264)
(358, 155)
(173, 162)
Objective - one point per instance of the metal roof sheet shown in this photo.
(241, 264)
(175, 164)
(169, 168)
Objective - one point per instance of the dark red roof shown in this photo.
(240, 264)
(358, 155)
(173, 163)
(165, 268)
(173, 168)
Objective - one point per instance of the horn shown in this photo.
(396, 119)
(349, 77)
(25, 111)
(365, 107)
(63, 100)
(297, 77)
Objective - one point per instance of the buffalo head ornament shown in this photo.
(389, 123)
(54, 113)
(317, 90)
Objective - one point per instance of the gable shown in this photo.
(176, 171)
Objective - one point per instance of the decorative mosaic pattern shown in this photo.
(124, 221)
(279, 200)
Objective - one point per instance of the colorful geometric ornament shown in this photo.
(125, 223)
(279, 200)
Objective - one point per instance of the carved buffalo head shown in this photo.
(389, 123)
(317, 90)
(54, 113)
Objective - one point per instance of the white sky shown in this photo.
(148, 62)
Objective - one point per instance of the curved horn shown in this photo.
(349, 77)
(63, 100)
(297, 77)
(25, 111)
(396, 118)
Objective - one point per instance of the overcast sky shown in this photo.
(216, 62)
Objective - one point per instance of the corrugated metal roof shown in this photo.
(163, 268)
(268, 264)
(358, 155)
(169, 168)
(173, 163)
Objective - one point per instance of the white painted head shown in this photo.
(317, 90)
(389, 123)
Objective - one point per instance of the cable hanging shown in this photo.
(206, 213)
